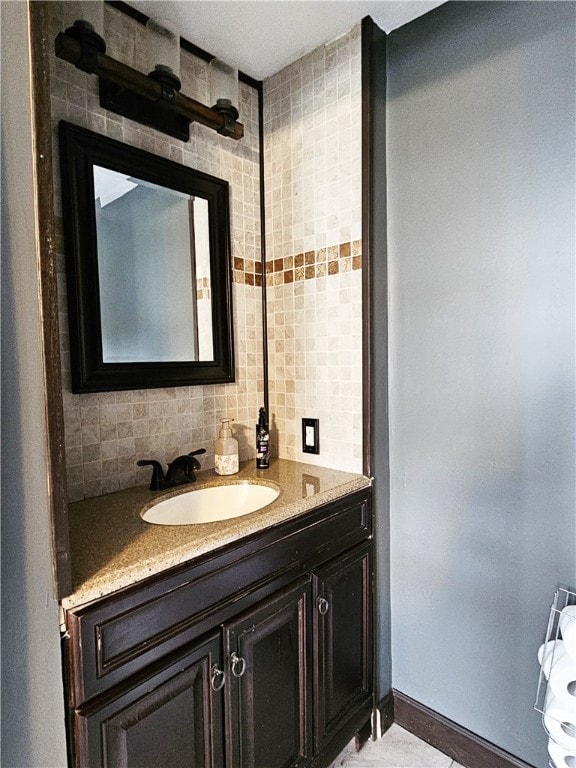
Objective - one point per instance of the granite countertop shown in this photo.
(112, 547)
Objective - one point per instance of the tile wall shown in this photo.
(312, 122)
(106, 433)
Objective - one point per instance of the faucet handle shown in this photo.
(157, 481)
(199, 452)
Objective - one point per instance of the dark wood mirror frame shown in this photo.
(80, 150)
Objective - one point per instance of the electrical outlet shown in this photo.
(311, 435)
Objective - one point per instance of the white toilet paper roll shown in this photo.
(562, 758)
(550, 653)
(568, 629)
(560, 723)
(562, 680)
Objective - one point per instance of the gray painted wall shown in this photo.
(481, 185)
(33, 733)
(375, 219)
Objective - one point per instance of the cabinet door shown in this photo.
(343, 641)
(172, 719)
(268, 689)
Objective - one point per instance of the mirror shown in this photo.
(134, 222)
(148, 267)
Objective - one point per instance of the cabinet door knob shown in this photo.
(238, 665)
(217, 673)
(323, 606)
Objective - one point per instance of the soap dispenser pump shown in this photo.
(226, 450)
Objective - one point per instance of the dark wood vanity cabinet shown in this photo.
(275, 671)
(343, 658)
(269, 690)
(172, 718)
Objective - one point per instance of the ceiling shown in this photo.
(261, 37)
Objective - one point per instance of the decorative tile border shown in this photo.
(319, 263)
(247, 271)
(304, 266)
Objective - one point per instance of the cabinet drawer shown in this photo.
(118, 636)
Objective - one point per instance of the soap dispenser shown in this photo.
(226, 450)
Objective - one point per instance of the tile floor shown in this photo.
(396, 749)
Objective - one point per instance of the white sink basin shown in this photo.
(211, 504)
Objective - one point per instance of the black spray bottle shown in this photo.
(262, 441)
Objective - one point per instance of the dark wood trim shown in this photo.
(367, 31)
(374, 248)
(362, 735)
(263, 247)
(40, 45)
(386, 708)
(360, 725)
(186, 45)
(457, 742)
(375, 325)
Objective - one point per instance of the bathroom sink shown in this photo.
(211, 504)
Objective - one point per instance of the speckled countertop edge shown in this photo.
(112, 547)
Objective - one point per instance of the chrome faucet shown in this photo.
(180, 471)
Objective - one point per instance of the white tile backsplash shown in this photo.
(312, 121)
(106, 433)
(312, 153)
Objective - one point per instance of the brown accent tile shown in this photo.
(258, 267)
(288, 276)
(249, 265)
(356, 262)
(238, 263)
(310, 272)
(309, 257)
(278, 265)
(333, 268)
(344, 250)
(258, 281)
(299, 260)
(249, 278)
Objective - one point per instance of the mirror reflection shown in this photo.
(151, 312)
